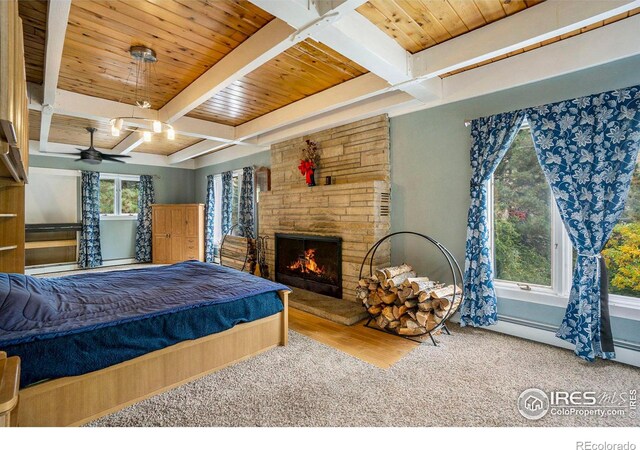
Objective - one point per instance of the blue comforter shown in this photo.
(43, 308)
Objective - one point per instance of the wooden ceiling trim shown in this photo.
(34, 22)
(564, 36)
(420, 24)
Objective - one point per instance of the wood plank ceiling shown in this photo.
(34, 22)
(188, 36)
(419, 24)
(305, 69)
(72, 130)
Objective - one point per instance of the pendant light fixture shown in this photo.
(144, 59)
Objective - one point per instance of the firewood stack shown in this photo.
(404, 303)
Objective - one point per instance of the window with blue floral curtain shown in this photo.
(227, 201)
(90, 254)
(209, 211)
(246, 216)
(146, 198)
(587, 148)
(491, 138)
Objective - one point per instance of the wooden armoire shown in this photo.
(177, 233)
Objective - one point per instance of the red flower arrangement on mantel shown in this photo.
(309, 162)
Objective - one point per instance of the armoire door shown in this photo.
(177, 233)
(161, 225)
(191, 233)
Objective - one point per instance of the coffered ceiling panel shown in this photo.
(72, 130)
(160, 145)
(188, 36)
(34, 23)
(303, 70)
(420, 24)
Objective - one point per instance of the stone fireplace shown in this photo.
(353, 212)
(313, 263)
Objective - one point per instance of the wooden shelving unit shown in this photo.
(52, 243)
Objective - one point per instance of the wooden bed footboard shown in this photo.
(73, 401)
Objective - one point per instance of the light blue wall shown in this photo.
(430, 173)
(117, 237)
(262, 159)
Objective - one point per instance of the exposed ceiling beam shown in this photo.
(595, 48)
(350, 34)
(95, 108)
(265, 44)
(366, 108)
(69, 151)
(57, 17)
(343, 94)
(128, 144)
(531, 26)
(195, 150)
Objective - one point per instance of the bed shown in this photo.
(91, 344)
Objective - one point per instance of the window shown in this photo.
(532, 255)
(119, 196)
(622, 252)
(522, 216)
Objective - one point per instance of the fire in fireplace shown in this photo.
(313, 263)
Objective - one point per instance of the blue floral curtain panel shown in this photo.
(588, 148)
(246, 216)
(90, 254)
(491, 138)
(227, 199)
(209, 209)
(146, 198)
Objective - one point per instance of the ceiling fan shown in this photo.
(92, 156)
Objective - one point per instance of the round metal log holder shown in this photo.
(230, 233)
(456, 275)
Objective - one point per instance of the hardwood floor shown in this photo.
(377, 348)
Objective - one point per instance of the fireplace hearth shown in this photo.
(313, 263)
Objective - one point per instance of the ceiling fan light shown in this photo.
(157, 126)
(146, 136)
(119, 123)
(115, 132)
(171, 134)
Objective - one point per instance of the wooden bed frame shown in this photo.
(73, 401)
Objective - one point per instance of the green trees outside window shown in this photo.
(522, 225)
(119, 195)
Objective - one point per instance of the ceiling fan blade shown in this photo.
(82, 149)
(65, 153)
(111, 158)
(76, 160)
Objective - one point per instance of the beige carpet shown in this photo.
(473, 378)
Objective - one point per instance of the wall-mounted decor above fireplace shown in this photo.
(313, 263)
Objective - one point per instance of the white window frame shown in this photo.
(561, 271)
(117, 198)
